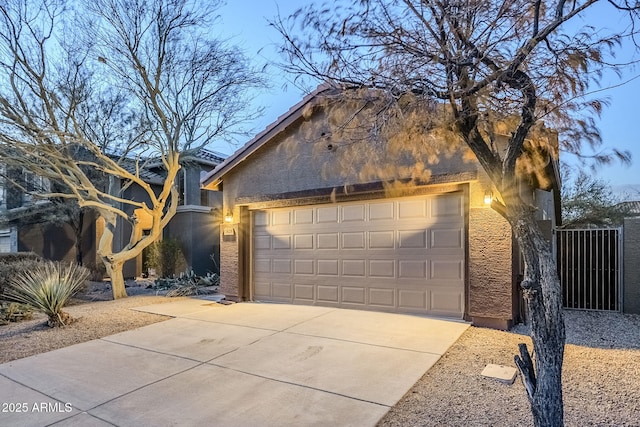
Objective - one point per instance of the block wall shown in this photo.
(631, 266)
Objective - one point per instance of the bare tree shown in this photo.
(104, 88)
(486, 64)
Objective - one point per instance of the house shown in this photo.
(196, 215)
(296, 231)
(42, 222)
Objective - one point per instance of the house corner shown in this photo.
(491, 290)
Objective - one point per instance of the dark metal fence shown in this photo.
(589, 265)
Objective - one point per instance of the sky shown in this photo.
(246, 24)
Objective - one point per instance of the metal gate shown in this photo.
(590, 268)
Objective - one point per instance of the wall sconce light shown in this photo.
(488, 197)
(228, 217)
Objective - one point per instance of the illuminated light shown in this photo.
(488, 198)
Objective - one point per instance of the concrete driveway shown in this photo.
(239, 365)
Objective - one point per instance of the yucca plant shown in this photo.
(48, 288)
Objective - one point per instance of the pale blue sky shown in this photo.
(246, 22)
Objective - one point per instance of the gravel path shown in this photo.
(601, 370)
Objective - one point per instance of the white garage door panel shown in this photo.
(5, 244)
(403, 254)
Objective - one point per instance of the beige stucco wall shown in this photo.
(229, 285)
(490, 248)
(298, 161)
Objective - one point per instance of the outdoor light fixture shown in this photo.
(488, 197)
(228, 217)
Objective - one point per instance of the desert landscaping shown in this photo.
(601, 373)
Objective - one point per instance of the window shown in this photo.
(34, 183)
(182, 186)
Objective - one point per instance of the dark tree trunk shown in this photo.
(77, 228)
(541, 372)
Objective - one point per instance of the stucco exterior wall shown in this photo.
(191, 184)
(492, 301)
(57, 242)
(229, 263)
(54, 242)
(545, 203)
(631, 251)
(189, 226)
(298, 161)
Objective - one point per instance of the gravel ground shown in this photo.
(601, 378)
(96, 315)
(601, 371)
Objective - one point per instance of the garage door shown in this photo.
(5, 240)
(403, 255)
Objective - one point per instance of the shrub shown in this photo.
(10, 257)
(12, 264)
(187, 283)
(14, 312)
(97, 271)
(48, 288)
(166, 257)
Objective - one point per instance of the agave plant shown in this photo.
(48, 288)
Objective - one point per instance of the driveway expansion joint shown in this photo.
(299, 385)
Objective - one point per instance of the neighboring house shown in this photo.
(18, 204)
(294, 233)
(197, 215)
(8, 240)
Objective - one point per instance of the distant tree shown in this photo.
(588, 201)
(104, 88)
(493, 67)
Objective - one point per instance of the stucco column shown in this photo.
(491, 296)
(229, 251)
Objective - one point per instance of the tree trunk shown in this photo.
(160, 215)
(77, 228)
(105, 250)
(543, 294)
(114, 270)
